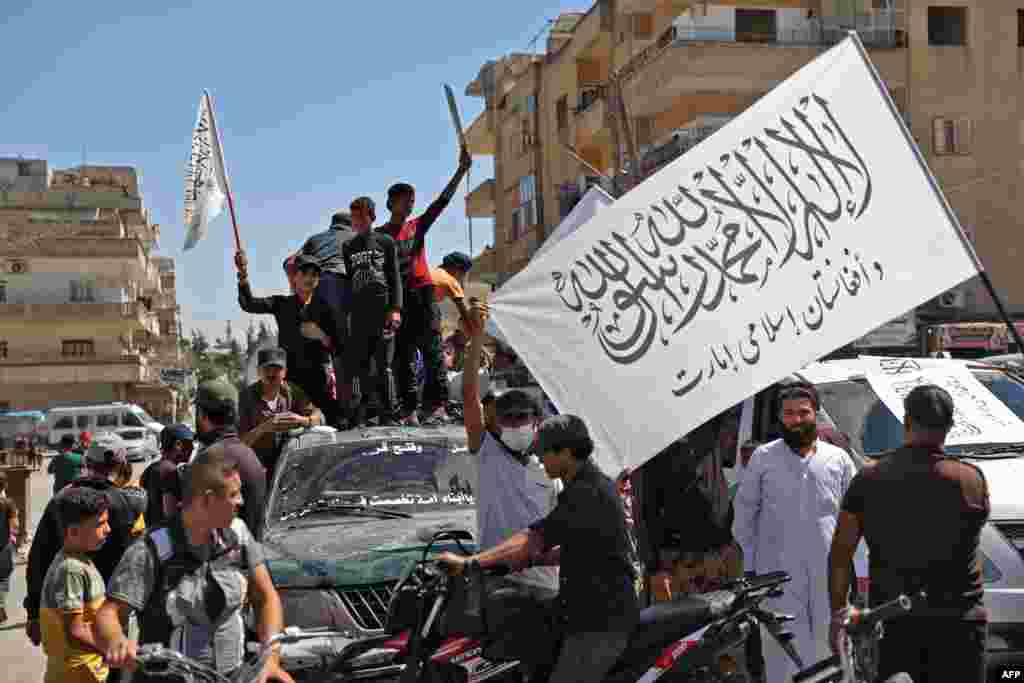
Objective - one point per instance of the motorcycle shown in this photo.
(698, 639)
(857, 661)
(162, 662)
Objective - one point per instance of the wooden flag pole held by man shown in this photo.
(223, 170)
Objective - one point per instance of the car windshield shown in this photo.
(872, 428)
(408, 477)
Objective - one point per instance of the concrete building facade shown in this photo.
(88, 312)
(677, 70)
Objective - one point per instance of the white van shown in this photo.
(133, 424)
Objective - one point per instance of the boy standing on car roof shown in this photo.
(308, 358)
(419, 322)
(371, 260)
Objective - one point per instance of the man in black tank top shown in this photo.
(371, 262)
(921, 514)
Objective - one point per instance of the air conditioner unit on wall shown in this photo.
(16, 267)
(954, 298)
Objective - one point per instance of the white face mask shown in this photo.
(518, 439)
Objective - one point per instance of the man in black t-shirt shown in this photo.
(921, 514)
(371, 261)
(160, 480)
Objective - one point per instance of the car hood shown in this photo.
(325, 550)
(1005, 478)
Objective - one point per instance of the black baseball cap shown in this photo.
(457, 261)
(516, 403)
(175, 433)
(305, 262)
(276, 357)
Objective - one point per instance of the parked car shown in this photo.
(133, 424)
(850, 407)
(348, 515)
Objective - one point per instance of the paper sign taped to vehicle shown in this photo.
(980, 417)
(796, 229)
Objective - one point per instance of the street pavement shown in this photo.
(20, 661)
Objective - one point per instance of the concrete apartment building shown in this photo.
(686, 67)
(87, 310)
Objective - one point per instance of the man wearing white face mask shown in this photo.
(512, 491)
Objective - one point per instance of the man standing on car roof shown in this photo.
(785, 515)
(419, 322)
(308, 359)
(921, 513)
(449, 281)
(328, 309)
(371, 260)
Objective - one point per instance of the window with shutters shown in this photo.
(3, 350)
(952, 136)
(947, 25)
(528, 139)
(3, 292)
(82, 291)
(77, 348)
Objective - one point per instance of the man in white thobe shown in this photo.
(786, 511)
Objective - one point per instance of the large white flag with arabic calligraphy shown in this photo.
(807, 222)
(206, 184)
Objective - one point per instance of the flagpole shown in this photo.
(982, 273)
(223, 165)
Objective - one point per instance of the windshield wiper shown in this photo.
(343, 508)
(986, 449)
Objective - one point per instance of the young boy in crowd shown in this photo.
(73, 591)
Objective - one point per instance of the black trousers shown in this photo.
(313, 381)
(421, 329)
(934, 650)
(366, 345)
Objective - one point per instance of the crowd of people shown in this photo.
(364, 307)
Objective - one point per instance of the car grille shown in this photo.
(132, 436)
(1014, 532)
(368, 605)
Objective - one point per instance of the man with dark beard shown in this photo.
(786, 511)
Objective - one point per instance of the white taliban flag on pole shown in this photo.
(206, 186)
(807, 222)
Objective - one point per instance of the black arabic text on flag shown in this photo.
(777, 199)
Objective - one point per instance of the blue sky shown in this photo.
(317, 102)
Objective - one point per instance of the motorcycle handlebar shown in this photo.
(869, 617)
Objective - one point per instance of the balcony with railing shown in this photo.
(135, 314)
(479, 137)
(693, 56)
(58, 368)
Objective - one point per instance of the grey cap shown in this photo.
(107, 450)
(275, 357)
(563, 431)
